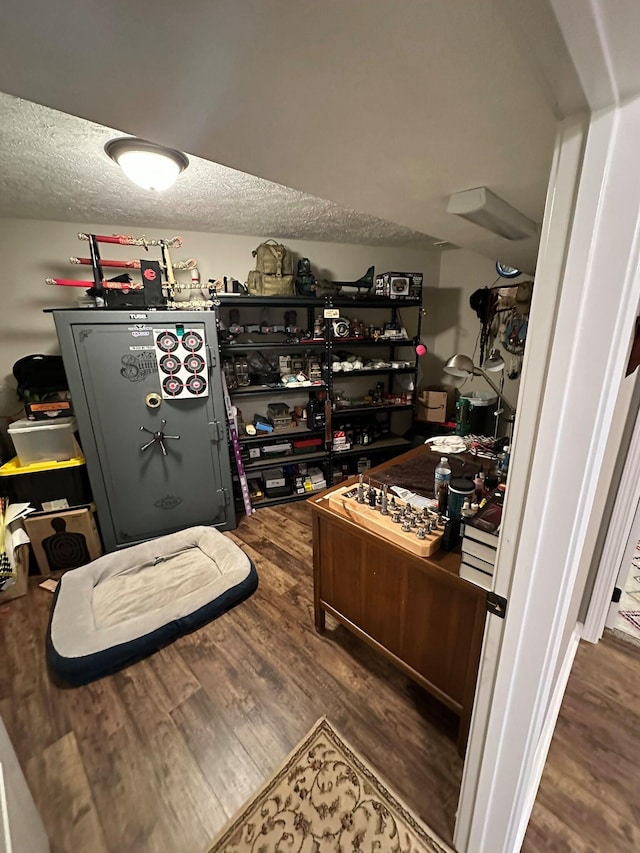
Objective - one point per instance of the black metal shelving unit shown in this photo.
(234, 300)
(348, 343)
(272, 436)
(283, 500)
(284, 459)
(387, 445)
(292, 346)
(252, 390)
(383, 445)
(372, 371)
(352, 411)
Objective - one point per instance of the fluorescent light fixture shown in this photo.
(487, 210)
(150, 166)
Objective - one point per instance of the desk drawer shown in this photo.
(424, 617)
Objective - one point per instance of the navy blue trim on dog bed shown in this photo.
(82, 670)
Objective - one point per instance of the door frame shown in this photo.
(583, 313)
(613, 559)
(630, 550)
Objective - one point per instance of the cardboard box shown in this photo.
(63, 540)
(21, 585)
(437, 405)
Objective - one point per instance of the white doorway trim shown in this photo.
(563, 184)
(627, 568)
(558, 459)
(615, 545)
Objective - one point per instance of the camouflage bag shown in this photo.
(273, 275)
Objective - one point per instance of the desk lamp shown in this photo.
(463, 367)
(495, 364)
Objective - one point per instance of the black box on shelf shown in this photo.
(48, 411)
(278, 491)
(399, 285)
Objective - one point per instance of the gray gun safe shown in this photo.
(149, 478)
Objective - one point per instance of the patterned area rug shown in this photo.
(325, 799)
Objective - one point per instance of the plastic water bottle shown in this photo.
(443, 476)
(503, 463)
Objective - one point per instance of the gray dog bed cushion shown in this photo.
(128, 604)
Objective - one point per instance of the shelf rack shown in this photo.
(388, 445)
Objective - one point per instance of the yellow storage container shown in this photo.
(46, 485)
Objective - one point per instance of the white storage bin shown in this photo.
(43, 441)
(481, 398)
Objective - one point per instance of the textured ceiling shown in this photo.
(53, 166)
(382, 107)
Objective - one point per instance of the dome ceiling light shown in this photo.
(147, 164)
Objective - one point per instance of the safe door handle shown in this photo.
(159, 437)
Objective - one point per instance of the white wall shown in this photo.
(32, 250)
(455, 324)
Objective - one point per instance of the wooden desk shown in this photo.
(416, 611)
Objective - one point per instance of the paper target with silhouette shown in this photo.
(63, 540)
(182, 363)
(64, 549)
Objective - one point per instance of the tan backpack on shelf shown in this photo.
(273, 275)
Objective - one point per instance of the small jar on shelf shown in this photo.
(241, 367)
(229, 374)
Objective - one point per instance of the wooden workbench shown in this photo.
(416, 611)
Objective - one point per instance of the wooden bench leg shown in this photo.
(320, 619)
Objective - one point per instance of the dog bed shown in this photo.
(127, 605)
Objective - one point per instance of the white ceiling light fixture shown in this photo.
(484, 208)
(147, 164)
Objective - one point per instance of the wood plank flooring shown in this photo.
(159, 756)
(589, 797)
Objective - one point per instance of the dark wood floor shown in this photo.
(159, 756)
(589, 798)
